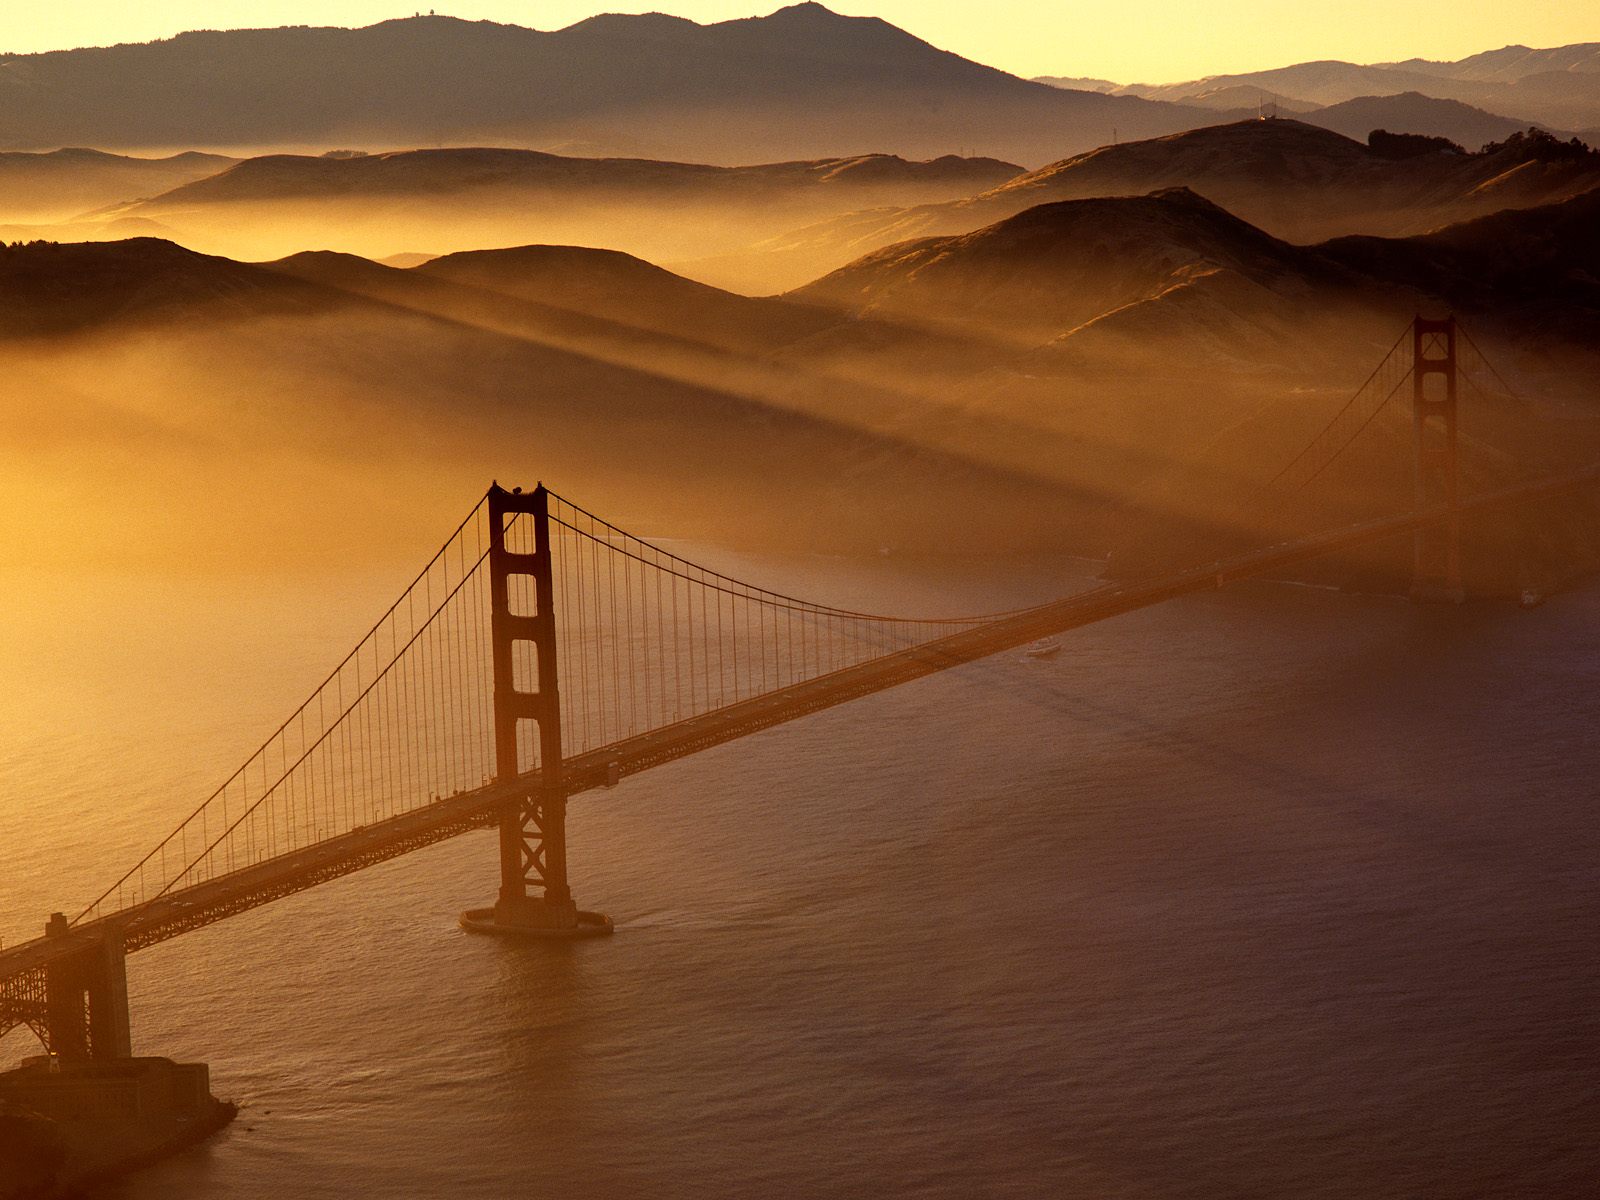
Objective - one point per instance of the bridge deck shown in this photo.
(202, 904)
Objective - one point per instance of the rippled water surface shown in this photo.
(1273, 892)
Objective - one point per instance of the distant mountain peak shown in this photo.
(1185, 195)
(653, 22)
(808, 10)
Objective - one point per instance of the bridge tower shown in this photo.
(86, 997)
(534, 896)
(1436, 570)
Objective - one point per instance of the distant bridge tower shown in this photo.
(1436, 571)
(534, 897)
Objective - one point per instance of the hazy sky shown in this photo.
(1128, 40)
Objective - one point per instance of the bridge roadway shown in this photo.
(154, 921)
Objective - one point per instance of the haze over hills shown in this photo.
(803, 82)
(1168, 349)
(1294, 180)
(1239, 100)
(1537, 269)
(64, 183)
(1511, 63)
(1079, 350)
(1400, 112)
(1056, 267)
(1024, 279)
(1412, 112)
(1557, 87)
(1057, 271)
(478, 170)
(467, 198)
(766, 228)
(1239, 894)
(168, 370)
(955, 327)
(48, 289)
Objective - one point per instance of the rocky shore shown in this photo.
(69, 1128)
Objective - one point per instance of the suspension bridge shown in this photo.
(544, 652)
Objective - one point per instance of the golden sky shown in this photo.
(1149, 41)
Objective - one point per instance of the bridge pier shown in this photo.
(86, 999)
(534, 897)
(1436, 569)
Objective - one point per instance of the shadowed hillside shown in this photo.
(169, 376)
(1056, 266)
(48, 289)
(1296, 181)
(1536, 271)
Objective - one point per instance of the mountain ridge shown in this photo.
(796, 83)
(1513, 82)
(424, 171)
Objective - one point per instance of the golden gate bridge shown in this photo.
(544, 652)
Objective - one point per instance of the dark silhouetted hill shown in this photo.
(48, 288)
(1412, 112)
(802, 82)
(1057, 266)
(618, 287)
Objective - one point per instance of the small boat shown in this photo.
(1043, 648)
(1532, 597)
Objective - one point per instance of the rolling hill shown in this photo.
(1412, 112)
(467, 198)
(1295, 180)
(49, 289)
(65, 183)
(484, 173)
(1057, 266)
